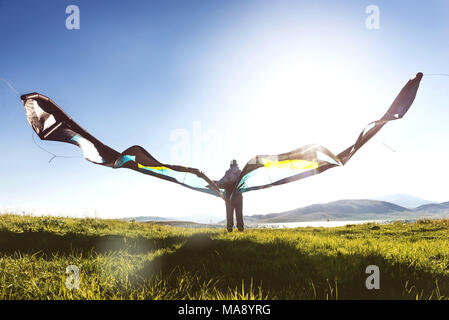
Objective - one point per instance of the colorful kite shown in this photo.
(50, 122)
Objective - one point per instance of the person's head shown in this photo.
(234, 164)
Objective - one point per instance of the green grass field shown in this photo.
(128, 260)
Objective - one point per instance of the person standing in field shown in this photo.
(236, 203)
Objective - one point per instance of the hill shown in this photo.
(363, 209)
(146, 219)
(403, 200)
(434, 208)
(349, 209)
(199, 218)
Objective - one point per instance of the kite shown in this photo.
(51, 123)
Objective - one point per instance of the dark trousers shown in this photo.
(235, 204)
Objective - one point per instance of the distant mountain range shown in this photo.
(200, 219)
(403, 200)
(336, 210)
(434, 207)
(145, 219)
(359, 209)
(356, 209)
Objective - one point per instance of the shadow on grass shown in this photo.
(50, 243)
(280, 269)
(285, 272)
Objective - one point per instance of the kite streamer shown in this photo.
(50, 122)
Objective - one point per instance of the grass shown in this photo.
(129, 260)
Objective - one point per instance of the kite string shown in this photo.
(49, 152)
(10, 86)
(437, 74)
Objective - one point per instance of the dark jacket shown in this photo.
(229, 180)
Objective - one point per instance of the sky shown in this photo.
(199, 83)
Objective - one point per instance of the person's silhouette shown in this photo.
(236, 203)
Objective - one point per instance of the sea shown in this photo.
(317, 224)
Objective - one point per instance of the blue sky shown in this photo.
(200, 83)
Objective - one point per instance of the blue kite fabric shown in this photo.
(51, 123)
